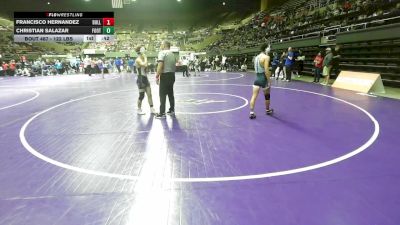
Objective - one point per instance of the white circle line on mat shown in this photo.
(22, 102)
(354, 152)
(223, 79)
(115, 76)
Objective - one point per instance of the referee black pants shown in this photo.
(167, 81)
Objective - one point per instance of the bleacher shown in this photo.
(375, 57)
(323, 22)
(323, 19)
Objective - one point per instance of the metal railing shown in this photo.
(333, 30)
(297, 37)
(357, 26)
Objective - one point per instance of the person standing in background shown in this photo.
(118, 64)
(300, 62)
(289, 63)
(1, 70)
(336, 60)
(327, 66)
(185, 66)
(100, 65)
(318, 67)
(13, 67)
(281, 66)
(274, 63)
(196, 63)
(131, 65)
(59, 67)
(87, 63)
(93, 65)
(223, 63)
(217, 63)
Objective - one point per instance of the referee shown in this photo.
(166, 78)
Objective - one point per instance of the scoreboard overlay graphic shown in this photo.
(64, 27)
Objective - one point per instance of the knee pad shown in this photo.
(141, 96)
(267, 96)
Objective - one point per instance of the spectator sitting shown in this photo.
(243, 68)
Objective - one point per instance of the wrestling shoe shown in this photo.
(152, 110)
(140, 112)
(160, 116)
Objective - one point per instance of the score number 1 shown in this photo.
(108, 21)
